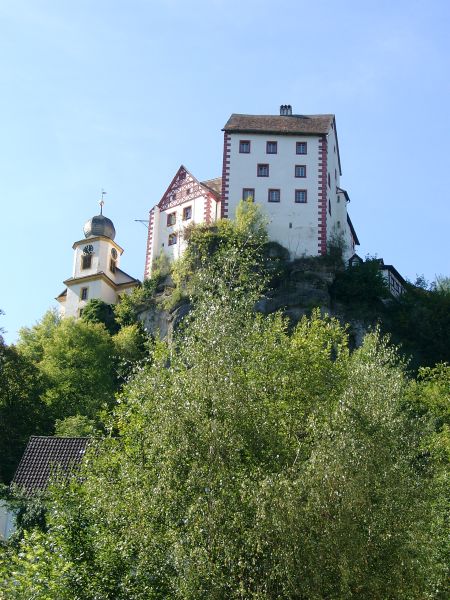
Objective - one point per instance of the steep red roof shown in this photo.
(289, 125)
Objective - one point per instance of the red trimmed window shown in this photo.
(263, 170)
(301, 196)
(172, 239)
(248, 194)
(301, 148)
(273, 196)
(271, 147)
(171, 219)
(244, 146)
(187, 213)
(300, 170)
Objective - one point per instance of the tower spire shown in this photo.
(102, 202)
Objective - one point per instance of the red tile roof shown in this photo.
(44, 455)
(292, 125)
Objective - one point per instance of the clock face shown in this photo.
(89, 249)
(114, 253)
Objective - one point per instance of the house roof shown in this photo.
(291, 125)
(352, 229)
(45, 454)
(214, 185)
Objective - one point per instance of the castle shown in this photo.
(288, 164)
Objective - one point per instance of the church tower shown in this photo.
(96, 269)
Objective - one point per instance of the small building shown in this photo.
(187, 200)
(43, 457)
(96, 269)
(289, 164)
(394, 281)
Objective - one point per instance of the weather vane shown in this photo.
(102, 202)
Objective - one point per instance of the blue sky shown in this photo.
(117, 94)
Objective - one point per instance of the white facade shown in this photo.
(289, 165)
(186, 201)
(96, 274)
(292, 163)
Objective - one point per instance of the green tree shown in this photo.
(78, 362)
(98, 311)
(22, 413)
(248, 462)
(32, 339)
(75, 426)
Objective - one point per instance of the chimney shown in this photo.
(285, 110)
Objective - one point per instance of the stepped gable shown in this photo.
(45, 455)
(293, 124)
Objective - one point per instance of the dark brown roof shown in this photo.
(294, 124)
(352, 229)
(44, 455)
(215, 185)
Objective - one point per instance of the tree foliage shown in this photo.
(98, 311)
(248, 462)
(22, 412)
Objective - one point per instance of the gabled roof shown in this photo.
(214, 185)
(45, 455)
(291, 125)
(352, 229)
(184, 187)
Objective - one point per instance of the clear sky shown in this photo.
(116, 94)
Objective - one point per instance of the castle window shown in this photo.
(171, 219)
(84, 293)
(301, 196)
(329, 207)
(187, 213)
(273, 196)
(172, 239)
(112, 265)
(271, 147)
(329, 181)
(244, 146)
(263, 170)
(248, 194)
(301, 148)
(86, 261)
(300, 170)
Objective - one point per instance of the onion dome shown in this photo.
(99, 225)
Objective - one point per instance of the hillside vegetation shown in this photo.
(258, 455)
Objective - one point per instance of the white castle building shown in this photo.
(288, 164)
(96, 269)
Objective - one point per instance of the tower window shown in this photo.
(301, 148)
(84, 293)
(273, 196)
(248, 194)
(86, 261)
(263, 170)
(112, 266)
(244, 147)
(300, 196)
